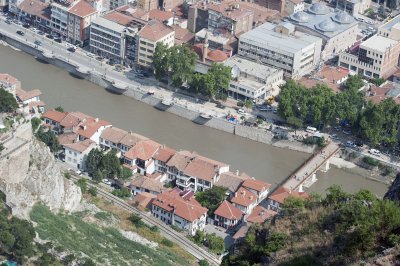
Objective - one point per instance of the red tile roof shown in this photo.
(160, 15)
(144, 199)
(244, 197)
(144, 150)
(256, 185)
(164, 154)
(27, 95)
(282, 193)
(113, 134)
(89, 127)
(119, 18)
(68, 138)
(147, 183)
(9, 80)
(54, 115)
(182, 35)
(36, 8)
(212, 55)
(80, 146)
(326, 76)
(260, 215)
(155, 30)
(187, 208)
(228, 211)
(82, 9)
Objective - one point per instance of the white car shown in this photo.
(107, 182)
(374, 152)
(78, 172)
(241, 111)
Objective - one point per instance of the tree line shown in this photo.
(320, 107)
(177, 63)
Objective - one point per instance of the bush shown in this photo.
(240, 104)
(167, 242)
(137, 220)
(370, 161)
(67, 175)
(203, 263)
(82, 183)
(35, 123)
(92, 191)
(122, 193)
(154, 228)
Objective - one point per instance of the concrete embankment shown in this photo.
(255, 134)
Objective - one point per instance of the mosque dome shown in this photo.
(326, 26)
(343, 18)
(319, 9)
(301, 17)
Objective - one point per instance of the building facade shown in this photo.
(391, 29)
(281, 47)
(148, 37)
(251, 80)
(377, 57)
(353, 7)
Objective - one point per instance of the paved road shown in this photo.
(165, 230)
(311, 166)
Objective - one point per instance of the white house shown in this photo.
(145, 184)
(257, 187)
(181, 209)
(244, 200)
(227, 215)
(76, 153)
(141, 156)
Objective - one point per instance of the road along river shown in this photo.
(262, 161)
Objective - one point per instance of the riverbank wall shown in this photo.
(186, 112)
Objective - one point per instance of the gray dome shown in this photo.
(301, 17)
(343, 18)
(326, 26)
(319, 9)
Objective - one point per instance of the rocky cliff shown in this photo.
(28, 175)
(394, 190)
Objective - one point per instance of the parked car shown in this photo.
(19, 32)
(374, 152)
(349, 144)
(38, 43)
(27, 26)
(263, 118)
(347, 132)
(107, 182)
(241, 111)
(58, 40)
(78, 172)
(8, 21)
(41, 33)
(71, 49)
(91, 55)
(51, 37)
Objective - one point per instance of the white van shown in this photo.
(311, 130)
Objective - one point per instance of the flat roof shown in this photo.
(378, 43)
(109, 24)
(265, 36)
(250, 67)
(388, 25)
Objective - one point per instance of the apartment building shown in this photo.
(181, 209)
(282, 47)
(148, 37)
(353, 7)
(337, 29)
(119, 139)
(76, 153)
(251, 80)
(230, 16)
(377, 57)
(112, 40)
(141, 155)
(72, 19)
(35, 12)
(391, 29)
(9, 83)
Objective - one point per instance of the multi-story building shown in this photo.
(252, 80)
(278, 5)
(72, 19)
(76, 153)
(230, 16)
(113, 40)
(181, 209)
(114, 4)
(244, 200)
(353, 7)
(227, 215)
(36, 13)
(280, 46)
(147, 5)
(142, 184)
(119, 139)
(148, 37)
(377, 57)
(257, 187)
(391, 29)
(337, 29)
(141, 155)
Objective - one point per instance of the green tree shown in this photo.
(93, 161)
(82, 183)
(215, 243)
(378, 81)
(335, 195)
(203, 263)
(182, 61)
(295, 122)
(161, 61)
(92, 191)
(122, 193)
(211, 198)
(199, 237)
(8, 103)
(292, 204)
(125, 173)
(110, 164)
(59, 109)
(248, 104)
(35, 123)
(222, 76)
(49, 138)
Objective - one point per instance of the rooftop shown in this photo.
(231, 181)
(164, 154)
(266, 36)
(232, 10)
(54, 115)
(144, 199)
(260, 215)
(80, 146)
(282, 193)
(386, 90)
(82, 9)
(118, 18)
(143, 149)
(228, 211)
(36, 8)
(113, 134)
(249, 67)
(155, 30)
(148, 184)
(110, 22)
(324, 20)
(256, 185)
(328, 75)
(378, 43)
(244, 197)
(8, 80)
(160, 15)
(27, 95)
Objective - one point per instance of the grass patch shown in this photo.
(103, 245)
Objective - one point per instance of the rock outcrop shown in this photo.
(394, 190)
(29, 174)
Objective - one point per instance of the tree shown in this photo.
(49, 138)
(59, 109)
(82, 183)
(203, 263)
(110, 164)
(248, 104)
(222, 76)
(35, 123)
(125, 173)
(215, 243)
(122, 193)
(378, 81)
(295, 122)
(93, 161)
(161, 60)
(8, 104)
(292, 204)
(182, 62)
(211, 198)
(199, 237)
(335, 195)
(92, 191)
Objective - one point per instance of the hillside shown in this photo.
(340, 229)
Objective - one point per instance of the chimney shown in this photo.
(235, 194)
(251, 197)
(96, 119)
(237, 172)
(205, 48)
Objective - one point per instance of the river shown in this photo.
(262, 161)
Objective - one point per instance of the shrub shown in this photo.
(136, 220)
(370, 161)
(154, 228)
(240, 104)
(82, 183)
(122, 193)
(203, 263)
(67, 175)
(35, 123)
(92, 191)
(167, 242)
